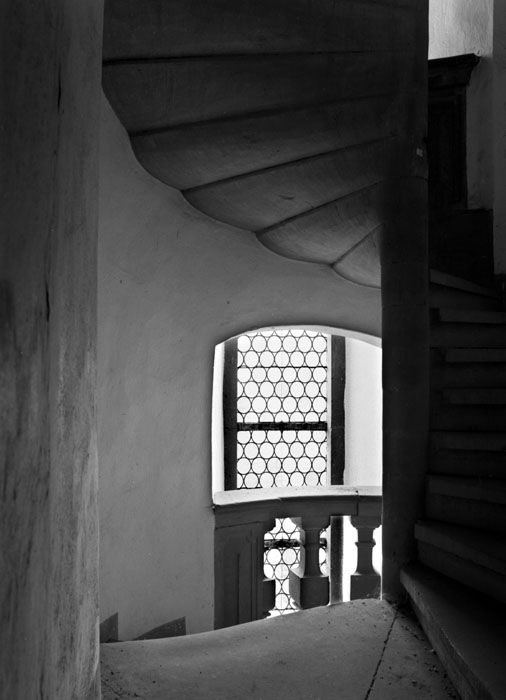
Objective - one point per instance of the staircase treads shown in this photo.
(307, 188)
(485, 549)
(487, 418)
(471, 316)
(465, 629)
(197, 154)
(464, 375)
(489, 490)
(155, 94)
(493, 355)
(467, 335)
(479, 514)
(465, 463)
(181, 27)
(482, 579)
(491, 441)
(475, 395)
(452, 298)
(441, 278)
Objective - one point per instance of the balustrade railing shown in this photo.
(243, 517)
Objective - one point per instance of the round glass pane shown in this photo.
(243, 343)
(274, 465)
(312, 479)
(289, 374)
(243, 375)
(251, 358)
(274, 343)
(259, 343)
(259, 374)
(281, 480)
(304, 343)
(259, 404)
(250, 450)
(282, 359)
(266, 480)
(296, 479)
(274, 374)
(289, 343)
(251, 481)
(258, 436)
(320, 343)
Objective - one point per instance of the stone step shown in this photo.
(466, 630)
(486, 490)
(465, 374)
(475, 396)
(455, 299)
(456, 440)
(468, 418)
(471, 355)
(465, 463)
(451, 282)
(471, 502)
(467, 335)
(464, 554)
(470, 316)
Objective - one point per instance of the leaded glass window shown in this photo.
(284, 427)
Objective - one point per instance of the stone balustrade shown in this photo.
(242, 593)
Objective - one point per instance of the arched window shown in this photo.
(279, 402)
(283, 399)
(283, 409)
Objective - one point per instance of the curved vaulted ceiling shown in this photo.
(276, 116)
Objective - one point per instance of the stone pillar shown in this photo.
(366, 581)
(51, 77)
(405, 323)
(308, 586)
(405, 376)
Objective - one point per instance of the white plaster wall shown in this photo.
(466, 26)
(363, 414)
(499, 114)
(173, 284)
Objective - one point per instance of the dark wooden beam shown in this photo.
(230, 414)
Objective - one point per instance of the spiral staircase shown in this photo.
(276, 117)
(302, 123)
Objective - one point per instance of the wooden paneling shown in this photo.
(197, 154)
(199, 27)
(265, 198)
(325, 234)
(153, 94)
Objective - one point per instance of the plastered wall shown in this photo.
(499, 114)
(363, 413)
(172, 285)
(50, 62)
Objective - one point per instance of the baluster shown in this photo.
(308, 586)
(365, 582)
(267, 585)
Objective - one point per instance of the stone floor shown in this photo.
(363, 650)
